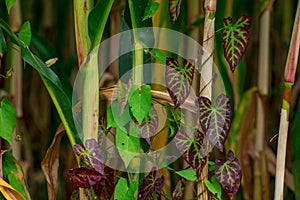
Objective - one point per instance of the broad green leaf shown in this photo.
(9, 4)
(7, 120)
(151, 9)
(235, 39)
(174, 8)
(140, 102)
(12, 171)
(150, 185)
(25, 33)
(214, 187)
(115, 118)
(188, 174)
(215, 120)
(2, 44)
(179, 78)
(52, 83)
(179, 190)
(127, 146)
(97, 20)
(123, 192)
(229, 174)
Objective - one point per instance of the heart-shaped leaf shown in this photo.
(229, 174)
(84, 177)
(149, 185)
(179, 78)
(140, 102)
(123, 192)
(190, 149)
(178, 191)
(174, 8)
(215, 121)
(235, 39)
(91, 153)
(7, 120)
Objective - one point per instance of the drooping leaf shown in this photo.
(215, 120)
(8, 191)
(149, 127)
(2, 45)
(127, 146)
(91, 153)
(235, 39)
(229, 174)
(9, 4)
(174, 9)
(140, 102)
(25, 33)
(97, 20)
(190, 148)
(179, 190)
(12, 171)
(179, 77)
(50, 163)
(150, 185)
(214, 187)
(84, 177)
(188, 174)
(151, 9)
(7, 120)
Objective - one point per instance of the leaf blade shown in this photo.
(7, 120)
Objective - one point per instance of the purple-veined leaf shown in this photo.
(105, 187)
(179, 79)
(174, 8)
(91, 154)
(229, 174)
(190, 149)
(215, 121)
(84, 177)
(149, 126)
(235, 39)
(123, 94)
(149, 185)
(179, 190)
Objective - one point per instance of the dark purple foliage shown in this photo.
(150, 185)
(149, 125)
(215, 121)
(179, 190)
(235, 39)
(106, 186)
(179, 79)
(84, 177)
(174, 8)
(229, 174)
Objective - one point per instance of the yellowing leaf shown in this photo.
(9, 192)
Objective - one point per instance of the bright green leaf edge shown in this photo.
(7, 120)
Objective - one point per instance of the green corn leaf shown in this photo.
(235, 39)
(7, 120)
(25, 33)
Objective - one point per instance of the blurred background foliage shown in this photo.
(52, 25)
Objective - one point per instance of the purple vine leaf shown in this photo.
(174, 8)
(150, 184)
(179, 190)
(84, 177)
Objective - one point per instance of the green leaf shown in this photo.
(189, 174)
(117, 119)
(52, 83)
(158, 55)
(97, 20)
(13, 172)
(127, 146)
(2, 45)
(9, 4)
(214, 187)
(123, 192)
(140, 102)
(7, 120)
(151, 9)
(25, 33)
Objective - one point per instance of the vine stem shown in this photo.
(289, 78)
